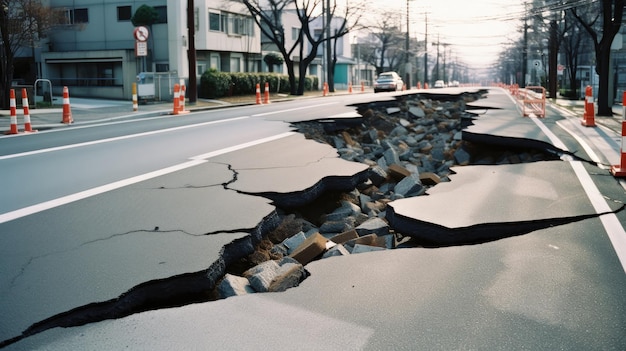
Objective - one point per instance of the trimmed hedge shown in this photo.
(214, 84)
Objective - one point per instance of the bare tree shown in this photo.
(385, 50)
(268, 15)
(22, 24)
(611, 12)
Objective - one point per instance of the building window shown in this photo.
(81, 16)
(74, 16)
(215, 21)
(162, 12)
(294, 33)
(124, 13)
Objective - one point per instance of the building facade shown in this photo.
(93, 52)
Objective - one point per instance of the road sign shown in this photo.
(141, 33)
(141, 48)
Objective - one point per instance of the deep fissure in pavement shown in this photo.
(420, 134)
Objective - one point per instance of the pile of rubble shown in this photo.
(409, 147)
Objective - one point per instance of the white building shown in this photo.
(93, 52)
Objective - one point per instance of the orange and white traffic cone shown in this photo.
(362, 87)
(27, 126)
(426, 85)
(135, 105)
(589, 115)
(350, 88)
(266, 91)
(181, 97)
(258, 93)
(67, 110)
(419, 85)
(12, 106)
(176, 108)
(620, 170)
(325, 89)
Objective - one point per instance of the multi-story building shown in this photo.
(93, 51)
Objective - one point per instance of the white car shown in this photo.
(388, 81)
(439, 84)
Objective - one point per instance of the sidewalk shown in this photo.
(85, 111)
(578, 107)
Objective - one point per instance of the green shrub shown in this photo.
(214, 84)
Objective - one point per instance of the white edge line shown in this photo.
(101, 141)
(610, 222)
(291, 109)
(9, 216)
(194, 161)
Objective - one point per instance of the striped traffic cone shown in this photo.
(266, 91)
(181, 104)
(12, 106)
(589, 115)
(27, 126)
(135, 105)
(258, 93)
(176, 108)
(67, 110)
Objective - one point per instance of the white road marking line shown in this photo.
(194, 161)
(611, 223)
(292, 109)
(108, 140)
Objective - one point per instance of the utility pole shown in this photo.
(192, 92)
(436, 74)
(525, 48)
(407, 65)
(329, 50)
(553, 57)
(426, 48)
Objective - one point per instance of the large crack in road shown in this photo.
(421, 134)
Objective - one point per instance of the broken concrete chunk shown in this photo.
(309, 249)
(409, 186)
(358, 248)
(337, 250)
(293, 242)
(392, 110)
(416, 112)
(373, 226)
(346, 209)
(273, 276)
(391, 156)
(233, 285)
(345, 236)
(377, 175)
(462, 157)
(398, 172)
(429, 178)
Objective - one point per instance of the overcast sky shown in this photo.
(475, 30)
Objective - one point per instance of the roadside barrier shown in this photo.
(349, 88)
(419, 85)
(426, 85)
(362, 87)
(181, 103)
(620, 170)
(13, 109)
(589, 115)
(176, 99)
(533, 100)
(27, 126)
(258, 93)
(325, 90)
(67, 109)
(266, 91)
(135, 105)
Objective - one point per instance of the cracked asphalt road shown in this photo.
(558, 287)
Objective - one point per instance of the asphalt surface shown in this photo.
(559, 285)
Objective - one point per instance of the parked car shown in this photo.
(439, 84)
(388, 81)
